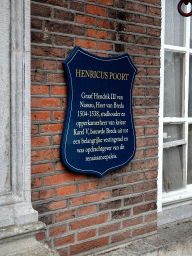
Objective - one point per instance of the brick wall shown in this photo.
(85, 213)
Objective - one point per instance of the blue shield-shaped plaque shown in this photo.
(99, 134)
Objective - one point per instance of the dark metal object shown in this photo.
(186, 2)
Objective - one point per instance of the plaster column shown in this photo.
(18, 220)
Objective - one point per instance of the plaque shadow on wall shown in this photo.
(99, 134)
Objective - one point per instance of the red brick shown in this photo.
(86, 246)
(62, 178)
(139, 92)
(36, 183)
(62, 216)
(60, 65)
(45, 194)
(60, 166)
(120, 4)
(132, 222)
(136, 29)
(146, 121)
(40, 236)
(121, 214)
(110, 182)
(63, 15)
(153, 71)
(151, 217)
(39, 89)
(39, 37)
(139, 112)
(96, 10)
(58, 90)
(145, 186)
(89, 222)
(39, 10)
(59, 115)
(148, 164)
(157, 22)
(136, 50)
(152, 92)
(55, 205)
(154, 32)
(97, 33)
(47, 219)
(154, 11)
(144, 230)
(147, 142)
(152, 131)
(151, 152)
(43, 64)
(151, 175)
(139, 154)
(56, 231)
(64, 240)
(153, 52)
(36, 24)
(87, 210)
(106, 2)
(86, 43)
(66, 191)
(121, 191)
(89, 198)
(152, 111)
(144, 19)
(133, 200)
(41, 116)
(45, 102)
(105, 24)
(89, 186)
(78, 6)
(41, 155)
(139, 132)
(109, 228)
(64, 28)
(136, 7)
(85, 20)
(151, 196)
(110, 205)
(34, 129)
(64, 104)
(47, 51)
(40, 141)
(147, 61)
(86, 234)
(133, 178)
(34, 196)
(52, 128)
(141, 71)
(57, 140)
(144, 208)
(105, 46)
(42, 168)
(120, 237)
(64, 40)
(63, 251)
(54, 2)
(55, 78)
(37, 77)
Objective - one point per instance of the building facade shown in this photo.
(85, 213)
(78, 214)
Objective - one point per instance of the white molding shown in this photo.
(186, 192)
(15, 205)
